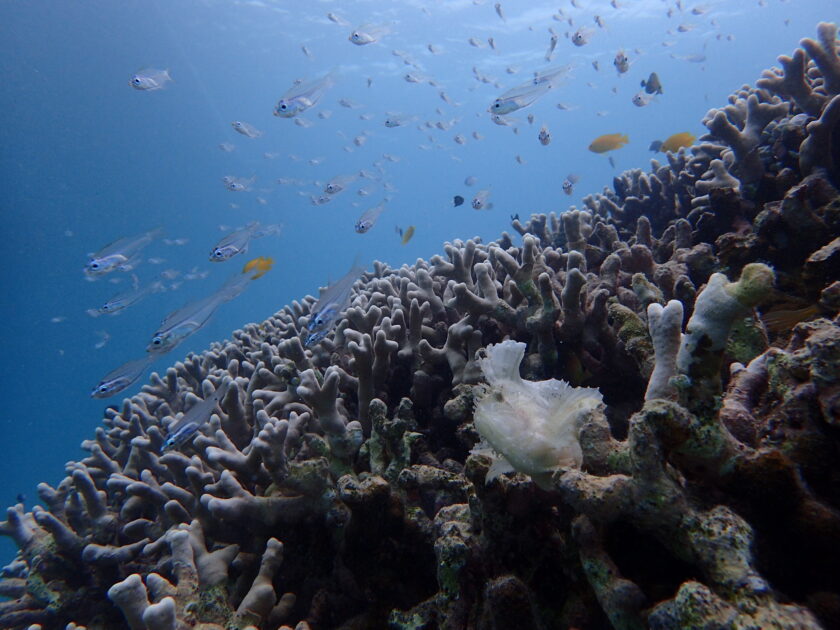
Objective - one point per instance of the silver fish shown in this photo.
(569, 183)
(339, 183)
(238, 184)
(479, 202)
(551, 46)
(121, 378)
(128, 298)
(150, 79)
(368, 218)
(302, 96)
(544, 136)
(120, 253)
(237, 242)
(182, 429)
(621, 62)
(320, 200)
(642, 98)
(337, 19)
(398, 120)
(245, 129)
(527, 93)
(368, 34)
(332, 302)
(190, 318)
(581, 36)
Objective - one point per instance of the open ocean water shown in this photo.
(85, 159)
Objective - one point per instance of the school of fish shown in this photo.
(522, 89)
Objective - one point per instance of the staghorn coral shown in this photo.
(708, 491)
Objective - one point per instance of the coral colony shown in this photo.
(631, 420)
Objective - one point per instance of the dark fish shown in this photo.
(21, 498)
(612, 162)
(458, 200)
(652, 85)
(514, 217)
(655, 146)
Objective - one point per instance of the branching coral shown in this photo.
(713, 458)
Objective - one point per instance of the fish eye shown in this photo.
(94, 265)
(283, 106)
(156, 341)
(136, 80)
(102, 389)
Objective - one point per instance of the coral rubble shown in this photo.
(339, 486)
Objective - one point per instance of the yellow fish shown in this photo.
(608, 142)
(673, 144)
(261, 265)
(409, 232)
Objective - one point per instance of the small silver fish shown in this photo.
(368, 218)
(121, 254)
(642, 98)
(332, 302)
(569, 183)
(121, 378)
(245, 129)
(529, 92)
(470, 180)
(581, 36)
(621, 62)
(227, 147)
(150, 79)
(398, 120)
(302, 96)
(368, 34)
(544, 136)
(237, 241)
(337, 19)
(498, 7)
(182, 429)
(238, 184)
(129, 298)
(339, 183)
(479, 202)
(552, 44)
(192, 317)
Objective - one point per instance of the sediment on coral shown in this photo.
(335, 487)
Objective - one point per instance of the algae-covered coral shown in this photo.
(334, 487)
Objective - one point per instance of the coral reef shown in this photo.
(338, 486)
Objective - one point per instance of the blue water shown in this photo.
(86, 159)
